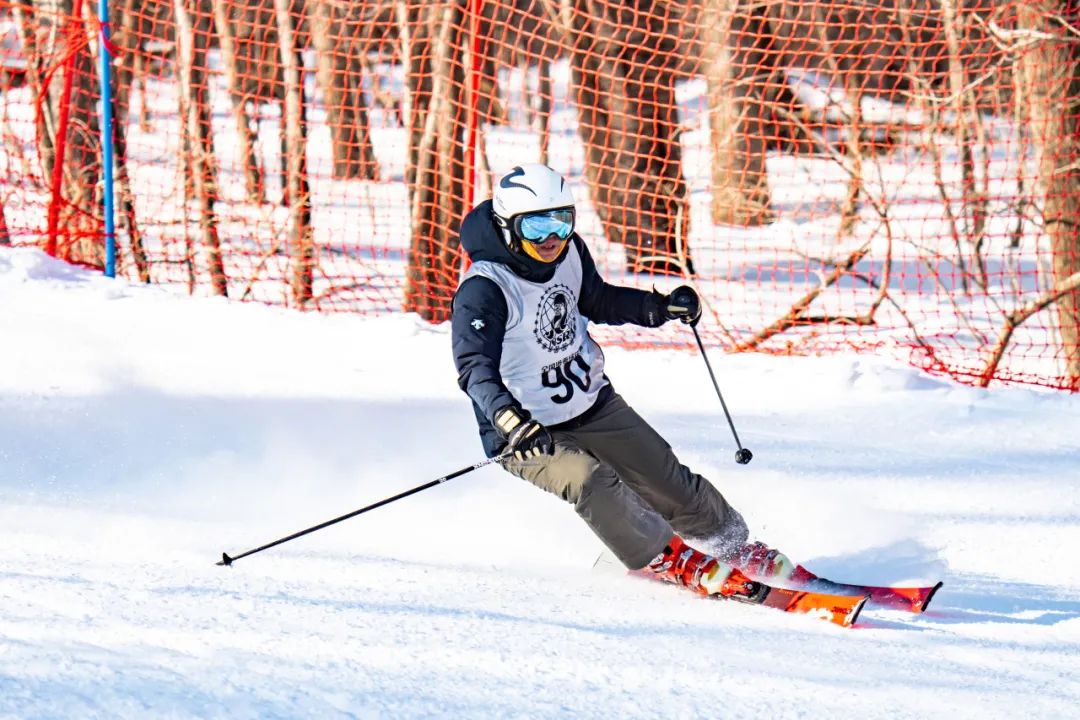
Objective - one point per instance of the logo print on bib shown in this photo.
(556, 319)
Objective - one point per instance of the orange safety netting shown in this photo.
(895, 176)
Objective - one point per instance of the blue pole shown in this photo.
(105, 70)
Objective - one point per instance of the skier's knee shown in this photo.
(588, 476)
(577, 472)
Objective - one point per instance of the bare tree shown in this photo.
(843, 68)
(1050, 72)
(245, 135)
(965, 125)
(301, 244)
(1016, 318)
(339, 70)
(436, 85)
(75, 221)
(740, 187)
(45, 122)
(255, 78)
(623, 77)
(193, 35)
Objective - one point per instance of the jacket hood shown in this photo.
(482, 240)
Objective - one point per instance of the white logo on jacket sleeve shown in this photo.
(556, 319)
(477, 324)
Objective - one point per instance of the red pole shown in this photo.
(60, 145)
(471, 119)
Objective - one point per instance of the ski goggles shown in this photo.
(539, 226)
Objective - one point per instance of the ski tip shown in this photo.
(930, 596)
(225, 560)
(853, 616)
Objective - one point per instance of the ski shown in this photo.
(841, 610)
(911, 599)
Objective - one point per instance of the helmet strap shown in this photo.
(508, 238)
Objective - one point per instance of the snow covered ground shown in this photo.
(142, 434)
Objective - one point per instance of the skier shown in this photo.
(536, 379)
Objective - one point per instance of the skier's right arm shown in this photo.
(477, 327)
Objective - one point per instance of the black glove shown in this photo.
(683, 304)
(524, 436)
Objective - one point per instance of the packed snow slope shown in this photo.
(142, 434)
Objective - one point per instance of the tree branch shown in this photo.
(1019, 316)
(794, 315)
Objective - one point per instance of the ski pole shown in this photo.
(227, 560)
(743, 455)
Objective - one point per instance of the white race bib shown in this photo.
(549, 362)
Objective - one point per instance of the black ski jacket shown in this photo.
(477, 356)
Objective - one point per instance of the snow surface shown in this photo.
(142, 434)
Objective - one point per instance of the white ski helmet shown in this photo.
(531, 203)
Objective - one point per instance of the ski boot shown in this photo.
(761, 562)
(703, 574)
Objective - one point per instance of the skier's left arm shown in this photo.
(610, 304)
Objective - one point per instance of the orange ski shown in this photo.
(911, 599)
(842, 610)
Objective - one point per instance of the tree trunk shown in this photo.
(1050, 73)
(192, 39)
(628, 123)
(294, 116)
(76, 224)
(45, 125)
(436, 87)
(586, 72)
(245, 135)
(840, 66)
(340, 75)
(972, 207)
(740, 183)
(126, 42)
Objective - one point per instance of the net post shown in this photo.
(105, 77)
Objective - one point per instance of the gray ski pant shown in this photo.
(625, 482)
